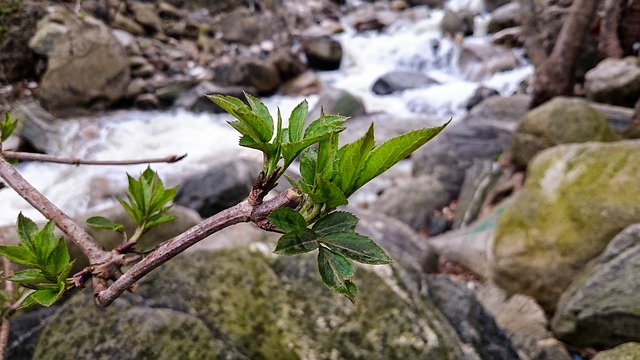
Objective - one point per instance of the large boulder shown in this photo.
(614, 81)
(88, 67)
(576, 198)
(600, 308)
(559, 121)
(249, 304)
(628, 351)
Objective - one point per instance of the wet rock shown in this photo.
(323, 52)
(599, 309)
(457, 22)
(336, 101)
(147, 102)
(260, 75)
(511, 38)
(369, 18)
(88, 65)
(220, 187)
(575, 199)
(480, 94)
(478, 61)
(395, 81)
(434, 4)
(491, 5)
(414, 201)
(259, 306)
(628, 351)
(614, 81)
(195, 99)
(506, 16)
(472, 322)
(44, 40)
(559, 121)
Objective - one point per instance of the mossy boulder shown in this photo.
(559, 121)
(628, 351)
(576, 198)
(249, 303)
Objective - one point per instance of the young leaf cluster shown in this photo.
(47, 261)
(146, 204)
(7, 126)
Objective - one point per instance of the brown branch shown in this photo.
(243, 212)
(16, 155)
(76, 233)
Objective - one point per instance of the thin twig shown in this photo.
(243, 212)
(16, 155)
(76, 233)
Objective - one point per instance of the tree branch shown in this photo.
(76, 233)
(243, 212)
(16, 155)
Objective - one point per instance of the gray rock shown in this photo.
(25, 330)
(575, 199)
(481, 93)
(479, 179)
(147, 15)
(195, 99)
(434, 4)
(246, 303)
(16, 58)
(614, 81)
(395, 81)
(506, 16)
(248, 73)
(241, 26)
(218, 188)
(457, 22)
(559, 121)
(88, 67)
(600, 308)
(46, 37)
(491, 5)
(323, 52)
(414, 201)
(628, 351)
(472, 322)
(173, 88)
(477, 61)
(336, 101)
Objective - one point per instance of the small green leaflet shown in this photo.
(297, 120)
(7, 127)
(297, 242)
(336, 222)
(336, 273)
(351, 159)
(356, 247)
(101, 222)
(259, 109)
(287, 220)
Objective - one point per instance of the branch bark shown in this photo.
(16, 155)
(95, 253)
(243, 212)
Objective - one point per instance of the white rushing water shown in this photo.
(209, 140)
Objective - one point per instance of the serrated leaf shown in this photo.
(308, 160)
(260, 109)
(62, 275)
(27, 229)
(324, 124)
(227, 103)
(159, 219)
(245, 130)
(247, 141)
(393, 150)
(337, 221)
(291, 150)
(297, 242)
(28, 276)
(19, 254)
(101, 222)
(46, 297)
(264, 130)
(44, 242)
(297, 120)
(336, 272)
(28, 301)
(287, 219)
(133, 212)
(351, 159)
(7, 127)
(59, 258)
(356, 247)
(330, 193)
(136, 193)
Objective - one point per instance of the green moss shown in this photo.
(7, 10)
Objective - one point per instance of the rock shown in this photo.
(481, 93)
(559, 121)
(38, 128)
(434, 4)
(479, 180)
(147, 102)
(483, 134)
(414, 201)
(46, 37)
(457, 22)
(512, 37)
(599, 309)
(506, 16)
(220, 187)
(306, 84)
(288, 63)
(25, 330)
(524, 322)
(323, 52)
(195, 99)
(18, 21)
(369, 18)
(575, 199)
(614, 81)
(241, 26)
(173, 88)
(628, 351)
(480, 60)
(259, 75)
(88, 66)
(124, 22)
(249, 304)
(491, 5)
(395, 81)
(472, 322)
(336, 101)
(146, 14)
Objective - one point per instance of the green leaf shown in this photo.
(245, 130)
(7, 127)
(297, 242)
(27, 229)
(291, 150)
(264, 130)
(19, 254)
(336, 272)
(101, 222)
(62, 275)
(297, 120)
(308, 160)
(356, 247)
(133, 212)
(247, 141)
(330, 193)
(158, 219)
(59, 258)
(324, 124)
(287, 219)
(44, 242)
(393, 150)
(351, 159)
(228, 103)
(46, 297)
(260, 109)
(28, 276)
(136, 194)
(337, 221)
